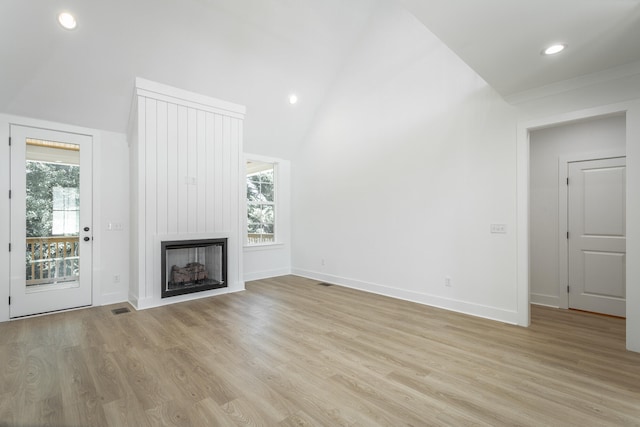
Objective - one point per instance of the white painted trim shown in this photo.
(633, 227)
(44, 124)
(563, 226)
(114, 298)
(5, 218)
(545, 300)
(241, 191)
(632, 110)
(96, 220)
(459, 306)
(143, 304)
(263, 247)
(563, 229)
(278, 203)
(162, 92)
(576, 116)
(261, 158)
(133, 300)
(523, 278)
(159, 238)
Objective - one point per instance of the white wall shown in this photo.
(410, 161)
(609, 87)
(546, 147)
(110, 203)
(264, 261)
(113, 208)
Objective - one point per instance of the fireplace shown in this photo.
(193, 266)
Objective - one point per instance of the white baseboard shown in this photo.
(150, 302)
(133, 301)
(492, 313)
(266, 274)
(546, 300)
(113, 298)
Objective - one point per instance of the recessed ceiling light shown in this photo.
(554, 48)
(67, 20)
(293, 98)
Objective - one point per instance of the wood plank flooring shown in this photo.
(290, 352)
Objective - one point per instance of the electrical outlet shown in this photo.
(116, 278)
(499, 228)
(447, 281)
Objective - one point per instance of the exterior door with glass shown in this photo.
(51, 230)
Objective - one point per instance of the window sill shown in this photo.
(263, 247)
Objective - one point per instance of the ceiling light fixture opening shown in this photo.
(293, 98)
(67, 20)
(554, 48)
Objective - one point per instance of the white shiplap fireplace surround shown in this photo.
(186, 176)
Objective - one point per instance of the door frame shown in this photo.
(631, 110)
(563, 214)
(5, 213)
(49, 298)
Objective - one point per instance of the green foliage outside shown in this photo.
(260, 203)
(41, 181)
(42, 178)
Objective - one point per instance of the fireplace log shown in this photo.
(192, 272)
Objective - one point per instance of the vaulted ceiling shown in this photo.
(502, 39)
(257, 52)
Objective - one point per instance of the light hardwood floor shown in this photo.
(291, 352)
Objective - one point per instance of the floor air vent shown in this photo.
(121, 310)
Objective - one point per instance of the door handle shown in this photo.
(87, 238)
(86, 229)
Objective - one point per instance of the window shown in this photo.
(66, 211)
(261, 202)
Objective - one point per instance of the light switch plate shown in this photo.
(499, 228)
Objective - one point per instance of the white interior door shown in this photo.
(51, 230)
(597, 229)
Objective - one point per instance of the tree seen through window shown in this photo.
(260, 202)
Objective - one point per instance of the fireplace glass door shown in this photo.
(193, 266)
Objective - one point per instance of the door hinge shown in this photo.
(9, 247)
(567, 180)
(9, 141)
(9, 193)
(567, 288)
(567, 234)
(9, 299)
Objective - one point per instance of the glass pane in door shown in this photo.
(52, 257)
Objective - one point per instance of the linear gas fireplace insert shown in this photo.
(193, 266)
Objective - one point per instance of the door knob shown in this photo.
(86, 229)
(87, 238)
